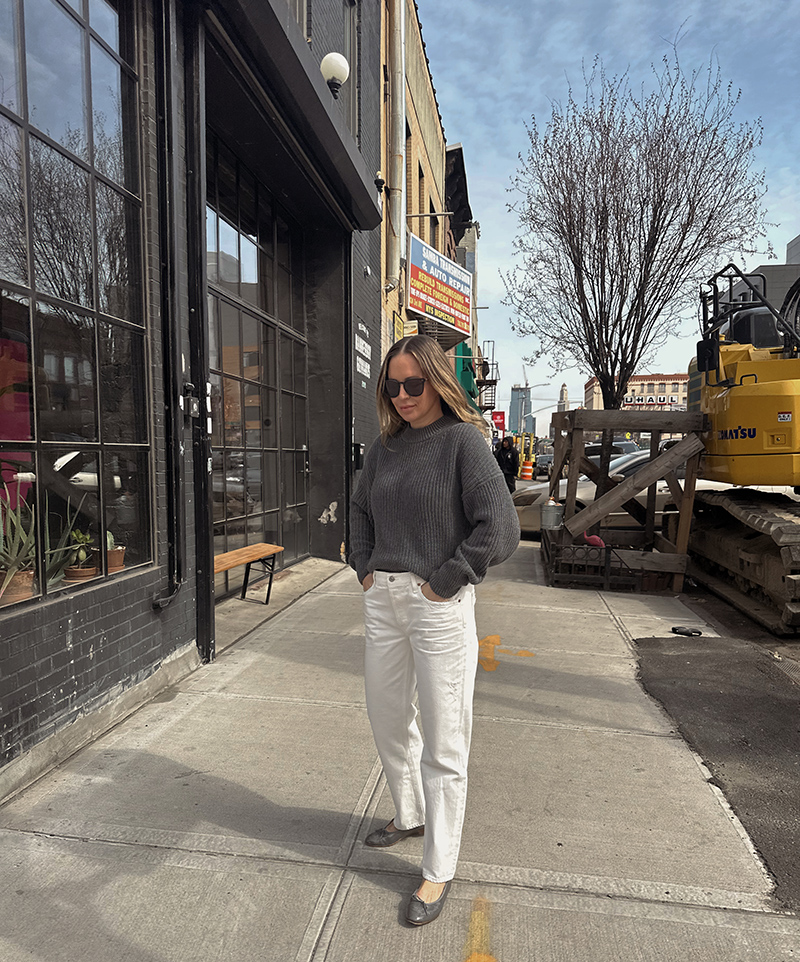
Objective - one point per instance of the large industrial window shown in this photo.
(74, 430)
(258, 364)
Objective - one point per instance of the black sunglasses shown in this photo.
(414, 386)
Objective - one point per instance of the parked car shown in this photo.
(543, 465)
(529, 500)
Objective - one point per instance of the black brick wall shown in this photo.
(69, 654)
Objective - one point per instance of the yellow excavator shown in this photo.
(745, 542)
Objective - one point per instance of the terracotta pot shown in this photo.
(76, 574)
(116, 558)
(18, 589)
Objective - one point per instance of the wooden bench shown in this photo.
(262, 553)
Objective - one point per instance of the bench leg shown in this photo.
(270, 566)
(246, 579)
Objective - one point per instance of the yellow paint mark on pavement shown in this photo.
(486, 656)
(476, 948)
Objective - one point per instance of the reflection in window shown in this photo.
(13, 236)
(79, 244)
(231, 345)
(127, 508)
(117, 245)
(105, 20)
(107, 114)
(66, 367)
(123, 384)
(56, 69)
(62, 226)
(16, 407)
(9, 60)
(228, 256)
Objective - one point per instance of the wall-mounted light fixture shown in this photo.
(335, 71)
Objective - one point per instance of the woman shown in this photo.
(430, 514)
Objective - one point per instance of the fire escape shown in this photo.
(486, 377)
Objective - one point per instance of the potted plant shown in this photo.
(17, 549)
(82, 563)
(115, 554)
(59, 555)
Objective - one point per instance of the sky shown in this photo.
(495, 65)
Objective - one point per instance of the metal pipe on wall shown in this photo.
(397, 140)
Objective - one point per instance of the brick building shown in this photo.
(644, 392)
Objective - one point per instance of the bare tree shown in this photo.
(626, 202)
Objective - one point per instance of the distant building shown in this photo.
(563, 399)
(644, 392)
(520, 408)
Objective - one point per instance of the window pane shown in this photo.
(13, 236)
(112, 92)
(10, 86)
(300, 477)
(300, 430)
(212, 257)
(284, 242)
(287, 421)
(248, 211)
(213, 333)
(126, 486)
(228, 256)
(267, 273)
(252, 415)
(72, 501)
(249, 266)
(117, 254)
(65, 361)
(271, 493)
(269, 419)
(216, 409)
(284, 295)
(56, 69)
(105, 20)
(231, 346)
(268, 353)
(123, 385)
(287, 366)
(18, 575)
(232, 405)
(62, 228)
(255, 488)
(251, 343)
(235, 494)
(265, 223)
(16, 407)
(218, 485)
(299, 364)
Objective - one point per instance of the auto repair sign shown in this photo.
(438, 287)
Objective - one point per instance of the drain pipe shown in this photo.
(170, 335)
(396, 239)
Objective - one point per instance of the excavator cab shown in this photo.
(746, 379)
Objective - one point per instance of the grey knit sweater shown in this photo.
(432, 501)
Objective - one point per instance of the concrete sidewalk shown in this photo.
(225, 819)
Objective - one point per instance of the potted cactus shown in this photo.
(115, 554)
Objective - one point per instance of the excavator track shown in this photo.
(745, 546)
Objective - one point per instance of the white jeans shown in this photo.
(429, 649)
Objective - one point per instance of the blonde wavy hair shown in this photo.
(437, 369)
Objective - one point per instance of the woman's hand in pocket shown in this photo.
(368, 582)
(430, 594)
